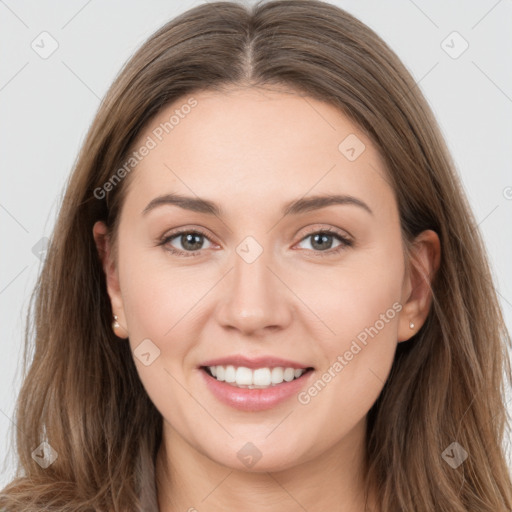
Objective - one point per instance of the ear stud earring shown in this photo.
(116, 326)
(411, 325)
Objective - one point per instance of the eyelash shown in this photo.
(345, 242)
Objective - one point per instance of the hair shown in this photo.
(81, 391)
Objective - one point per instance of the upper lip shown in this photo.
(256, 362)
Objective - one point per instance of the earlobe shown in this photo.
(102, 241)
(417, 289)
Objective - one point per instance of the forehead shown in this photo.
(257, 146)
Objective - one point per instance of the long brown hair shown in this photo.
(82, 393)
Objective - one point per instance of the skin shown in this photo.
(251, 151)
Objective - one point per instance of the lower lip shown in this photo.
(246, 399)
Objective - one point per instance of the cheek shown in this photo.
(358, 305)
(154, 297)
(362, 307)
(158, 314)
(352, 295)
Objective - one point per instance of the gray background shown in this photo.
(47, 105)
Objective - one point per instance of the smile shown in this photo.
(268, 387)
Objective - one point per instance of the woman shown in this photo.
(196, 345)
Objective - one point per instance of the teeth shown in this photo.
(243, 376)
(259, 378)
(288, 374)
(230, 374)
(276, 375)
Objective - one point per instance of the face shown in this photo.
(319, 286)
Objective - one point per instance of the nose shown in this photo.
(255, 299)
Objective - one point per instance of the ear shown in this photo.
(416, 291)
(103, 246)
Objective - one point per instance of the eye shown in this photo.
(191, 242)
(322, 241)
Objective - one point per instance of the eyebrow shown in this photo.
(295, 207)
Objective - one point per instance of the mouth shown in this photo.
(255, 378)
